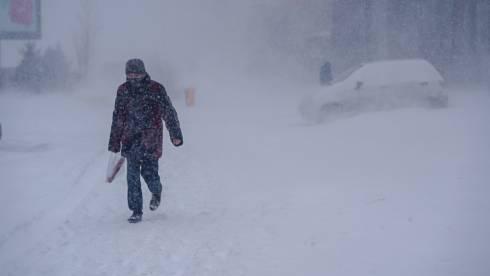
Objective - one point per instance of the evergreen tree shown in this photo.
(28, 75)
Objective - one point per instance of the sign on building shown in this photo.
(20, 19)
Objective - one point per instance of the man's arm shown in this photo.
(171, 119)
(117, 123)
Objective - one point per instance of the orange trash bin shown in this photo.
(190, 96)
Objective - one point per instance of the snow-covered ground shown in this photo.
(254, 191)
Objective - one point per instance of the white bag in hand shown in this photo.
(114, 166)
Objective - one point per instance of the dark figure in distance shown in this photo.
(326, 74)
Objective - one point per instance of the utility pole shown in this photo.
(1, 78)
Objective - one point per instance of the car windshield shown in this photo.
(343, 76)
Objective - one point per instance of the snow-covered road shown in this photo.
(254, 191)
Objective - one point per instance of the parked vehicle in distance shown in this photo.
(378, 85)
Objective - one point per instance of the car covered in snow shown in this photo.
(378, 85)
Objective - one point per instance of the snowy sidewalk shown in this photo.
(252, 192)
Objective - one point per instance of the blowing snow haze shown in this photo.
(390, 177)
(203, 38)
(285, 39)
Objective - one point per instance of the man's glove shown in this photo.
(177, 142)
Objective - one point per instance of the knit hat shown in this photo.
(135, 66)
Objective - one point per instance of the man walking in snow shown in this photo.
(137, 131)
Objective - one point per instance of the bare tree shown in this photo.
(84, 39)
(473, 25)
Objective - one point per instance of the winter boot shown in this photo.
(135, 217)
(155, 201)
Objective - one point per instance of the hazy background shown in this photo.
(191, 37)
(193, 40)
(254, 190)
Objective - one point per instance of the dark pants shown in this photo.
(148, 168)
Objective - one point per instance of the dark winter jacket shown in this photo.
(137, 128)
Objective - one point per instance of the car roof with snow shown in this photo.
(394, 71)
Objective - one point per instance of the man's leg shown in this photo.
(149, 171)
(135, 196)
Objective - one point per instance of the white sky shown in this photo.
(187, 32)
(127, 27)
